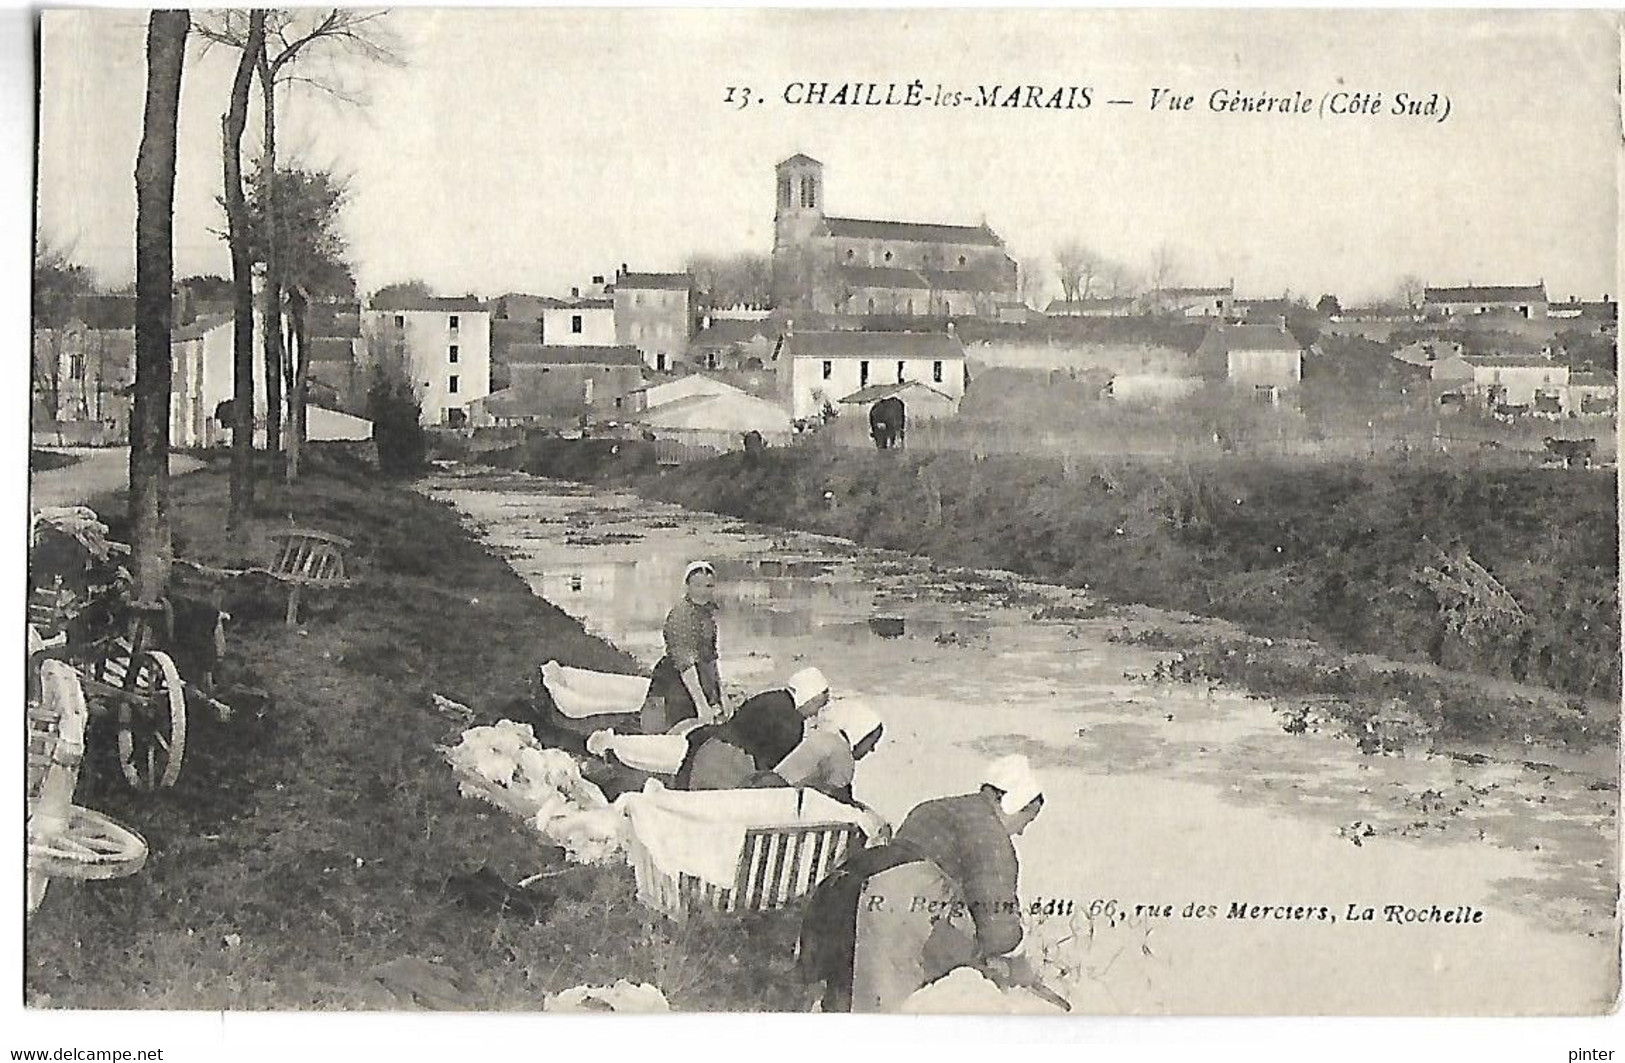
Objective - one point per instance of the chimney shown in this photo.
(1282, 320)
(950, 328)
(622, 271)
(598, 278)
(789, 327)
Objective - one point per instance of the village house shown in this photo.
(717, 419)
(1265, 359)
(1520, 300)
(445, 346)
(580, 321)
(1519, 381)
(82, 369)
(559, 385)
(733, 344)
(1593, 393)
(654, 312)
(856, 266)
(818, 369)
(1193, 302)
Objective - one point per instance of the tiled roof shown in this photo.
(1593, 379)
(912, 232)
(1196, 293)
(1490, 293)
(875, 392)
(799, 157)
(653, 282)
(1255, 338)
(938, 346)
(551, 354)
(434, 304)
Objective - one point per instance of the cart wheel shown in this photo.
(93, 847)
(152, 724)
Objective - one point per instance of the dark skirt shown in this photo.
(669, 703)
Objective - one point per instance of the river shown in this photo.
(1176, 813)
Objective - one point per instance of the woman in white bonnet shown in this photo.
(756, 738)
(942, 895)
(685, 683)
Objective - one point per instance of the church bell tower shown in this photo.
(798, 215)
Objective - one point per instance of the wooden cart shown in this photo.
(65, 839)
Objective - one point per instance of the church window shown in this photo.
(784, 191)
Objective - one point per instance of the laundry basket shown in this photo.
(735, 850)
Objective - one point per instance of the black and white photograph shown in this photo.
(999, 512)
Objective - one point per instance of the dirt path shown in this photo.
(99, 472)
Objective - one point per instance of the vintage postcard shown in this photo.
(1011, 512)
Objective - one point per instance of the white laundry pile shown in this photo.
(623, 996)
(581, 692)
(965, 991)
(656, 754)
(505, 765)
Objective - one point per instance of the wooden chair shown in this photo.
(307, 558)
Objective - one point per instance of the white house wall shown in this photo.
(597, 326)
(426, 338)
(809, 387)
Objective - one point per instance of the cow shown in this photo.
(888, 421)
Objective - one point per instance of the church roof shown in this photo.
(798, 157)
(912, 232)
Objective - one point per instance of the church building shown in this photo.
(858, 266)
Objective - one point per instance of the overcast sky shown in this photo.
(525, 150)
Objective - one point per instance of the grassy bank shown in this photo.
(315, 852)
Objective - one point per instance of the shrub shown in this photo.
(397, 427)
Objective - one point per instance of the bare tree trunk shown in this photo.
(273, 270)
(296, 394)
(242, 279)
(154, 295)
